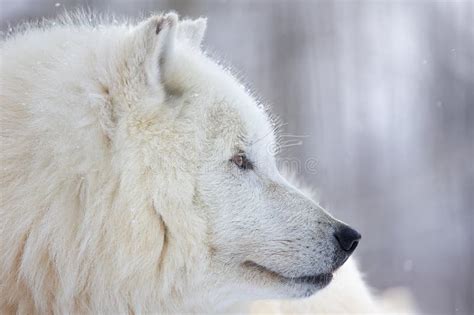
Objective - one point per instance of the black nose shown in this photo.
(347, 238)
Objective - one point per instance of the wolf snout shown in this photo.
(347, 238)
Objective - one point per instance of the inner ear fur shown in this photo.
(155, 41)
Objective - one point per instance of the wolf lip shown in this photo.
(322, 279)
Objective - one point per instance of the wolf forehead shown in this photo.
(160, 71)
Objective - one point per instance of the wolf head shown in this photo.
(213, 177)
(159, 178)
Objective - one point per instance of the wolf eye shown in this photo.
(241, 161)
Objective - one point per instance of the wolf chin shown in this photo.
(136, 177)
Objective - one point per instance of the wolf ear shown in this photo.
(152, 44)
(192, 31)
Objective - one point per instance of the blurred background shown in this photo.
(381, 93)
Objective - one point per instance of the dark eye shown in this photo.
(241, 161)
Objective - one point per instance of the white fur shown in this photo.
(118, 195)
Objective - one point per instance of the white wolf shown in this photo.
(136, 178)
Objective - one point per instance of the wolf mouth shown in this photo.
(321, 279)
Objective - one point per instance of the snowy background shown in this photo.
(383, 94)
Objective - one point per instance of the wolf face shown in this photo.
(170, 198)
(261, 233)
